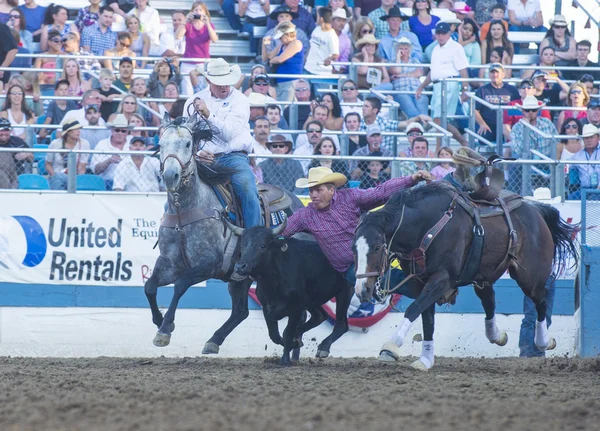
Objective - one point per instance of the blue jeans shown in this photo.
(411, 105)
(232, 18)
(525, 28)
(58, 181)
(526, 344)
(244, 186)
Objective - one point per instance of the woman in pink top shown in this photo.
(199, 33)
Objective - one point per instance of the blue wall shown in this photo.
(509, 298)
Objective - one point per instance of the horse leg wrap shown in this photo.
(541, 339)
(491, 330)
(400, 335)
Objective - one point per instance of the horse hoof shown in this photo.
(285, 362)
(322, 354)
(502, 339)
(171, 327)
(210, 348)
(418, 365)
(551, 344)
(389, 352)
(162, 340)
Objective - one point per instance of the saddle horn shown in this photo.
(239, 231)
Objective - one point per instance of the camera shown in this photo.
(197, 16)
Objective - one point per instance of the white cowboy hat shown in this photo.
(559, 20)
(530, 102)
(340, 13)
(120, 122)
(452, 19)
(257, 100)
(321, 175)
(543, 194)
(219, 72)
(589, 130)
(403, 41)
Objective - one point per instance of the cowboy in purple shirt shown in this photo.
(333, 215)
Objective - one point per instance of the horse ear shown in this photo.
(166, 120)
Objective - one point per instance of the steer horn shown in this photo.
(279, 229)
(235, 229)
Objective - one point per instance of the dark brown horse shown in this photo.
(543, 241)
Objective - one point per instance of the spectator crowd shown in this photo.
(432, 40)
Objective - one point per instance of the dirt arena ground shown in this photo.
(332, 394)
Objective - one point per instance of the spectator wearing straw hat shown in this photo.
(394, 19)
(369, 76)
(559, 38)
(340, 19)
(281, 172)
(589, 175)
(530, 107)
(512, 116)
(56, 163)
(106, 164)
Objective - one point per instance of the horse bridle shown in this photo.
(184, 166)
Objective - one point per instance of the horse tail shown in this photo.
(563, 235)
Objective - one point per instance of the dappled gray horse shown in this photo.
(193, 241)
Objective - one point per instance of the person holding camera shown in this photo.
(199, 33)
(250, 13)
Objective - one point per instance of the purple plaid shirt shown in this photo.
(333, 227)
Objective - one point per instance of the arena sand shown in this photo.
(331, 394)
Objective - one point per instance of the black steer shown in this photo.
(292, 276)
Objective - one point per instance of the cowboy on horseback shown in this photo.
(227, 111)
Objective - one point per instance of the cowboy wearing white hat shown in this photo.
(530, 107)
(227, 111)
(105, 165)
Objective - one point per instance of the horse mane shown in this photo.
(409, 198)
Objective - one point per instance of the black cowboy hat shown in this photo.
(283, 9)
(394, 13)
(280, 139)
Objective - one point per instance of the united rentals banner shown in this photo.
(78, 239)
(100, 239)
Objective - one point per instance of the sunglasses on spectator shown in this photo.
(348, 88)
(56, 40)
(560, 26)
(420, 1)
(313, 131)
(531, 110)
(301, 89)
(576, 92)
(278, 145)
(367, 31)
(15, 93)
(571, 126)
(262, 84)
(526, 87)
(15, 16)
(414, 134)
(125, 45)
(121, 130)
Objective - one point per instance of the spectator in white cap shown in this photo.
(448, 60)
(106, 164)
(374, 138)
(340, 19)
(588, 174)
(288, 56)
